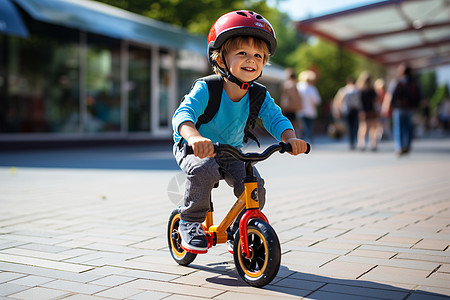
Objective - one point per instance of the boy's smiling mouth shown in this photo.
(248, 69)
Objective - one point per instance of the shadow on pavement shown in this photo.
(318, 287)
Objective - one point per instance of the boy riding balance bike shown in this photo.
(222, 109)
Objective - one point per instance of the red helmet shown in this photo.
(237, 23)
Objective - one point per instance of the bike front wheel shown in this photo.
(265, 254)
(181, 256)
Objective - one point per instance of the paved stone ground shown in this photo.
(352, 225)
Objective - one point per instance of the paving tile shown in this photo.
(7, 289)
(445, 268)
(75, 287)
(399, 241)
(343, 269)
(284, 293)
(307, 258)
(160, 286)
(379, 292)
(43, 263)
(50, 273)
(112, 280)
(336, 296)
(372, 253)
(35, 253)
(400, 263)
(38, 293)
(44, 248)
(393, 274)
(442, 259)
(183, 297)
(119, 292)
(336, 244)
(439, 245)
(420, 296)
(150, 275)
(83, 297)
(31, 280)
(149, 295)
(8, 276)
(300, 284)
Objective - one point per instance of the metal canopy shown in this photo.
(110, 21)
(391, 32)
(10, 20)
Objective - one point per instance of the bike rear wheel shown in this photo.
(265, 254)
(181, 256)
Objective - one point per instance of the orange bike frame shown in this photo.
(248, 199)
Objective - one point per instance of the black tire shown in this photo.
(181, 256)
(265, 254)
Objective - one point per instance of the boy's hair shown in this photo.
(235, 42)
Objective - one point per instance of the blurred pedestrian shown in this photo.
(310, 100)
(346, 105)
(384, 122)
(368, 116)
(444, 111)
(291, 101)
(404, 97)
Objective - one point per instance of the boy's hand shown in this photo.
(203, 147)
(298, 146)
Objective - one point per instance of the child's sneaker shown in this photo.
(193, 237)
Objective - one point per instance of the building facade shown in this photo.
(85, 70)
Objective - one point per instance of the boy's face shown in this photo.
(245, 61)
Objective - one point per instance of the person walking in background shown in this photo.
(310, 100)
(368, 116)
(346, 105)
(291, 101)
(384, 123)
(403, 96)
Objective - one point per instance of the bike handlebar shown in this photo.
(251, 156)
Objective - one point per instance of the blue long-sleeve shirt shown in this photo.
(227, 126)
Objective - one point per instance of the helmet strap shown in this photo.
(227, 74)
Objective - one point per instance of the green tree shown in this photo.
(332, 64)
(198, 16)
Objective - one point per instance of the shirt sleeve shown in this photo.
(273, 119)
(192, 106)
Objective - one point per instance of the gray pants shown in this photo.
(202, 174)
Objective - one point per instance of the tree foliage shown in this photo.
(333, 64)
(198, 16)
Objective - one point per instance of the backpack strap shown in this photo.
(215, 87)
(256, 98)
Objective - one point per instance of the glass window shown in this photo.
(139, 91)
(102, 85)
(165, 60)
(190, 67)
(40, 89)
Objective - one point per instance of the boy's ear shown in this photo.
(219, 61)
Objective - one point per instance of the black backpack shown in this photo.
(406, 95)
(215, 88)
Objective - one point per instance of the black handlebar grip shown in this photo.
(308, 148)
(187, 149)
(289, 148)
